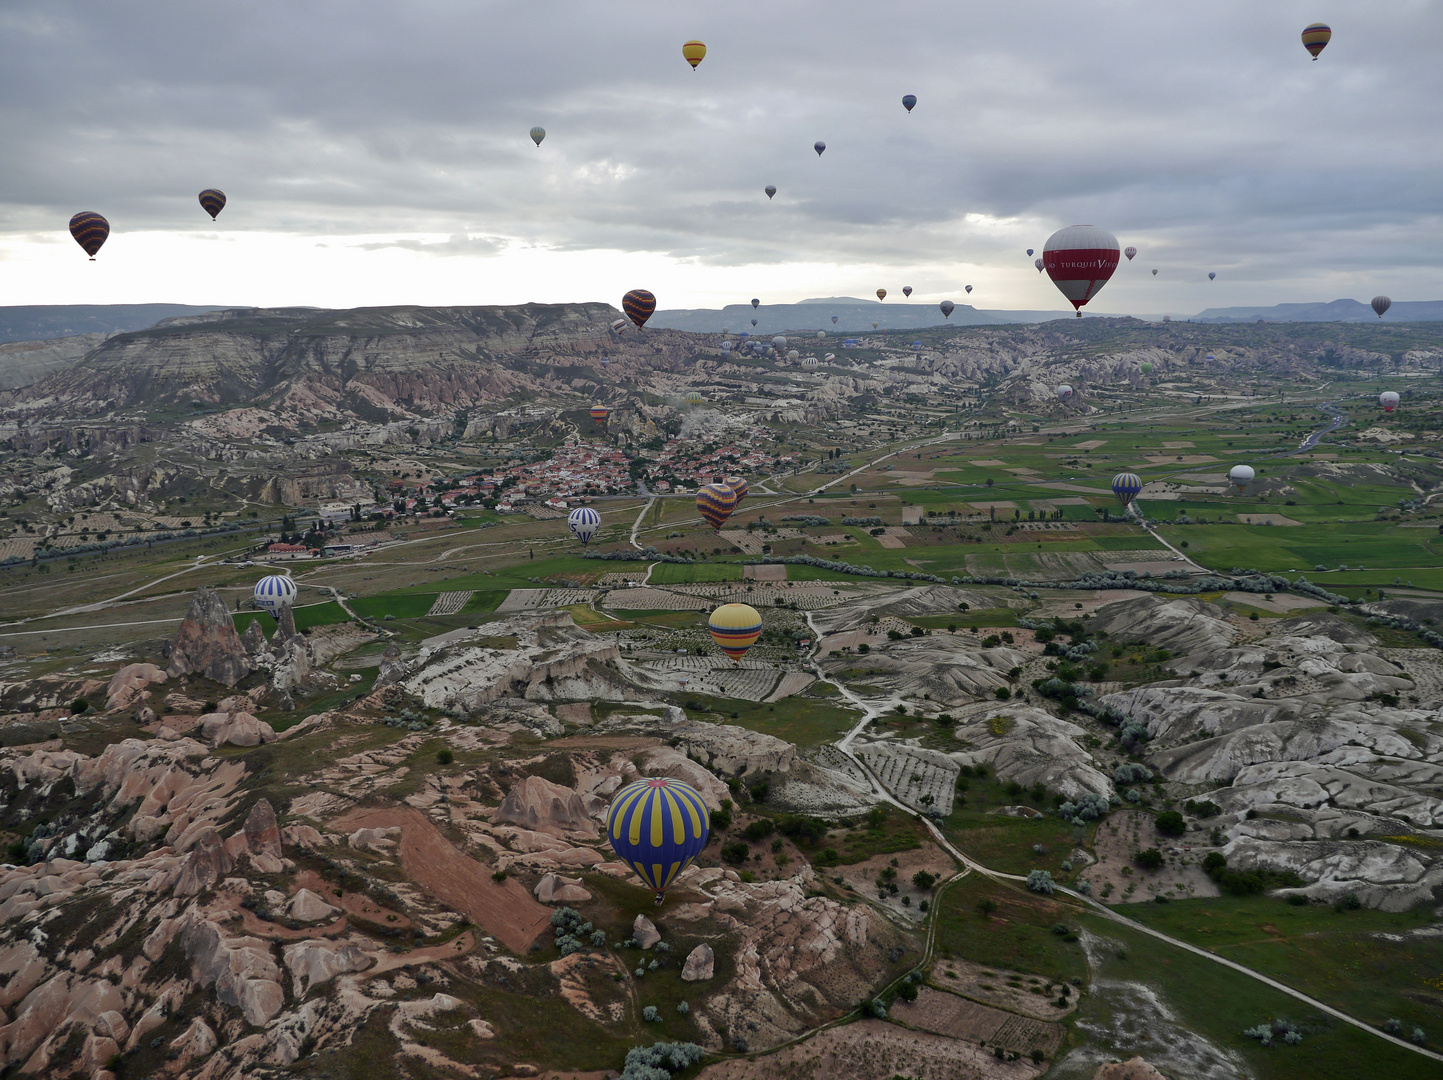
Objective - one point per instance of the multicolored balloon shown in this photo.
(1039, 264)
(618, 326)
(694, 397)
(834, 320)
(715, 504)
(583, 523)
(1129, 251)
(881, 294)
(735, 628)
(947, 308)
(90, 231)
(1064, 392)
(658, 827)
(537, 134)
(740, 486)
(212, 201)
(693, 52)
(909, 101)
(599, 413)
(1389, 400)
(809, 362)
(1316, 37)
(1125, 486)
(1381, 304)
(638, 305)
(274, 592)
(1080, 260)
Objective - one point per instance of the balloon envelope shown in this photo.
(1154, 273)
(1212, 275)
(1241, 476)
(694, 397)
(1029, 251)
(90, 231)
(658, 827)
(755, 302)
(819, 146)
(906, 290)
(740, 486)
(834, 320)
(694, 52)
(537, 134)
(1064, 392)
(1080, 260)
(638, 305)
(770, 189)
(1039, 264)
(968, 288)
(779, 341)
(1316, 37)
(212, 201)
(1389, 400)
(618, 326)
(947, 308)
(809, 362)
(274, 592)
(715, 503)
(583, 523)
(916, 344)
(881, 294)
(909, 101)
(735, 628)
(1381, 304)
(1125, 486)
(599, 413)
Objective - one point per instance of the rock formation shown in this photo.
(537, 804)
(555, 889)
(1133, 1069)
(393, 668)
(644, 931)
(127, 684)
(207, 643)
(700, 964)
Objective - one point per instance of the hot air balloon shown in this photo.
(1381, 304)
(694, 397)
(715, 503)
(537, 134)
(1125, 486)
(599, 413)
(1316, 37)
(770, 189)
(906, 290)
(881, 294)
(874, 326)
(1146, 368)
(735, 627)
(819, 146)
(1039, 264)
(605, 362)
(1080, 259)
(793, 354)
(1241, 476)
(821, 333)
(212, 201)
(916, 344)
(1129, 252)
(834, 320)
(1389, 400)
(1212, 275)
(1064, 392)
(947, 308)
(740, 486)
(1029, 253)
(967, 287)
(274, 592)
(809, 362)
(693, 52)
(90, 231)
(658, 827)
(754, 322)
(583, 523)
(618, 326)
(909, 101)
(829, 358)
(755, 303)
(638, 305)
(779, 341)
(1210, 356)
(1154, 273)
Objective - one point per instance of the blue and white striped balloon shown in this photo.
(583, 522)
(274, 592)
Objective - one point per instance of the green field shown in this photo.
(800, 720)
(681, 574)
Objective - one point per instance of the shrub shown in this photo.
(721, 820)
(1003, 694)
(444, 756)
(759, 829)
(651, 1015)
(1204, 808)
(683, 1008)
(657, 1061)
(735, 853)
(1418, 1037)
(1131, 773)
(923, 880)
(1298, 900)
(1171, 823)
(907, 992)
(987, 905)
(79, 705)
(1040, 881)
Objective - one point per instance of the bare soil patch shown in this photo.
(1285, 602)
(863, 877)
(1009, 990)
(949, 1014)
(767, 573)
(875, 1050)
(1116, 879)
(503, 909)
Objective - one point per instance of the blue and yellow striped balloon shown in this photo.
(658, 828)
(1125, 486)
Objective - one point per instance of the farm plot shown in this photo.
(449, 603)
(923, 779)
(710, 675)
(654, 600)
(947, 1014)
(533, 599)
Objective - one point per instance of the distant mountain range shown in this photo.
(39, 322)
(853, 316)
(1333, 311)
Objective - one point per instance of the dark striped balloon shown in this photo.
(212, 201)
(638, 305)
(90, 231)
(658, 826)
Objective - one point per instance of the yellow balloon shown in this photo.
(694, 52)
(735, 628)
(881, 294)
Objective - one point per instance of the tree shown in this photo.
(1149, 859)
(1171, 823)
(923, 880)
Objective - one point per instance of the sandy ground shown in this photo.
(959, 1018)
(863, 877)
(1008, 990)
(766, 573)
(875, 1050)
(1279, 602)
(1126, 832)
(503, 909)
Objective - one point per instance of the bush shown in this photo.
(1040, 881)
(683, 1008)
(907, 992)
(1171, 823)
(923, 880)
(1149, 859)
(651, 1015)
(1131, 773)
(735, 853)
(660, 1060)
(1003, 694)
(1204, 808)
(79, 705)
(759, 829)
(721, 820)
(444, 756)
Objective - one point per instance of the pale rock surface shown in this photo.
(240, 968)
(536, 803)
(234, 729)
(1031, 746)
(1181, 626)
(1133, 1069)
(127, 683)
(207, 643)
(393, 668)
(306, 906)
(555, 889)
(196, 1041)
(254, 638)
(700, 964)
(645, 932)
(314, 962)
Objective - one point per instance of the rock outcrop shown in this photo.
(700, 964)
(127, 684)
(207, 643)
(1185, 626)
(537, 804)
(555, 889)
(234, 729)
(644, 931)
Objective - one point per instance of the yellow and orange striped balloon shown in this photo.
(735, 628)
(694, 53)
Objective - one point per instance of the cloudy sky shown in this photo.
(377, 152)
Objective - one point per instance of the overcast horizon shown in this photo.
(377, 155)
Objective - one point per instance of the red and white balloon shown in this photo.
(1080, 260)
